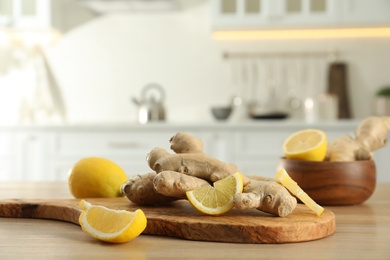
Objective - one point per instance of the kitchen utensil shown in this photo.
(272, 70)
(150, 108)
(333, 183)
(269, 105)
(294, 102)
(254, 82)
(272, 115)
(338, 85)
(181, 220)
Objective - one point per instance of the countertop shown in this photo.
(362, 232)
(342, 124)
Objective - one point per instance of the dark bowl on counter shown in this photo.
(333, 183)
(221, 113)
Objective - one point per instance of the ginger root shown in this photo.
(139, 189)
(345, 149)
(175, 184)
(372, 132)
(194, 164)
(190, 168)
(370, 135)
(267, 196)
(155, 155)
(185, 143)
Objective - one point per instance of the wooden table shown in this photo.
(362, 232)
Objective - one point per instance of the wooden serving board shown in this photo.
(181, 220)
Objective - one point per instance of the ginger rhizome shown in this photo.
(189, 168)
(370, 135)
(267, 196)
(139, 189)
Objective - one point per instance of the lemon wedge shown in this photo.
(109, 225)
(285, 179)
(216, 199)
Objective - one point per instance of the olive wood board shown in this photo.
(179, 219)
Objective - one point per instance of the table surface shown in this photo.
(362, 232)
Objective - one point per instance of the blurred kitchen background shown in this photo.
(107, 51)
(104, 62)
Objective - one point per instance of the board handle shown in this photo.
(63, 210)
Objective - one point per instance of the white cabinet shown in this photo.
(26, 14)
(48, 154)
(31, 155)
(23, 156)
(366, 12)
(256, 152)
(6, 156)
(128, 150)
(274, 14)
(218, 144)
(126, 147)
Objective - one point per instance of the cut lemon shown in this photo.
(216, 200)
(115, 226)
(308, 145)
(285, 179)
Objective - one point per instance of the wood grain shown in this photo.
(181, 220)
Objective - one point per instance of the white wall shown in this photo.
(102, 63)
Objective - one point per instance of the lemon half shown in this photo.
(308, 145)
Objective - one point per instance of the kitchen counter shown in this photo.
(347, 124)
(362, 232)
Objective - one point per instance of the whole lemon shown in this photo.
(95, 177)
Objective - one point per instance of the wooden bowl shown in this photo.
(333, 183)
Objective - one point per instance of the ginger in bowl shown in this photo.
(345, 174)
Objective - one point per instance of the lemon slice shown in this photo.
(285, 179)
(216, 200)
(308, 145)
(115, 226)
